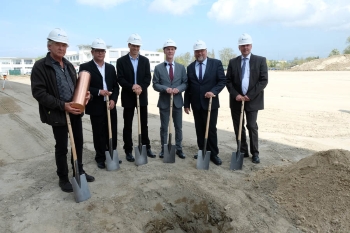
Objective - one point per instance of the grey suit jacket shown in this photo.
(161, 81)
(257, 82)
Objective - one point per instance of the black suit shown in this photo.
(258, 80)
(97, 108)
(213, 81)
(125, 74)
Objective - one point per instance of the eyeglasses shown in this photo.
(99, 50)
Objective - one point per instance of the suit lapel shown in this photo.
(251, 63)
(207, 69)
(131, 67)
(239, 60)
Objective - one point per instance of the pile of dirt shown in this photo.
(315, 191)
(333, 63)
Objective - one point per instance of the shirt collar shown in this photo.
(137, 58)
(167, 63)
(247, 56)
(98, 64)
(203, 62)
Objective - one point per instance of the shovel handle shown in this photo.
(240, 122)
(207, 127)
(108, 118)
(72, 143)
(171, 112)
(138, 118)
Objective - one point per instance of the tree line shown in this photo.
(345, 51)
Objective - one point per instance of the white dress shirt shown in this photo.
(204, 65)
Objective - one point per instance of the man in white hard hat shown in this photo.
(134, 76)
(103, 83)
(170, 78)
(53, 81)
(206, 78)
(247, 78)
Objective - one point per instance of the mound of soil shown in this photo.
(333, 63)
(315, 191)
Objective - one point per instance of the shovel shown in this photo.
(237, 157)
(204, 156)
(80, 187)
(140, 150)
(169, 149)
(112, 160)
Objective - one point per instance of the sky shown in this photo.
(280, 29)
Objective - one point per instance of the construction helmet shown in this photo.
(199, 45)
(135, 39)
(98, 44)
(58, 35)
(169, 43)
(245, 39)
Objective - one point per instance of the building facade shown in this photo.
(25, 65)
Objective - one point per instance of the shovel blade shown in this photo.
(203, 161)
(112, 162)
(140, 156)
(81, 191)
(169, 155)
(236, 161)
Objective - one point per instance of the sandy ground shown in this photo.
(305, 112)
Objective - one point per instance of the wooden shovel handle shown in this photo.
(108, 118)
(240, 122)
(208, 118)
(71, 137)
(138, 114)
(171, 112)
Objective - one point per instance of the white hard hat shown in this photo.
(199, 45)
(135, 39)
(98, 44)
(245, 39)
(58, 35)
(169, 43)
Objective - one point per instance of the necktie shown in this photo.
(243, 67)
(171, 72)
(200, 72)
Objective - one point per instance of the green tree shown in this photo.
(334, 52)
(347, 49)
(39, 57)
(225, 55)
(184, 59)
(211, 54)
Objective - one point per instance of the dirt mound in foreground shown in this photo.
(315, 191)
(333, 63)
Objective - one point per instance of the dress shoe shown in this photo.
(89, 178)
(161, 154)
(180, 154)
(65, 185)
(255, 159)
(101, 165)
(129, 157)
(216, 160)
(150, 153)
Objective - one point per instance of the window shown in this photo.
(147, 54)
(16, 62)
(5, 62)
(28, 62)
(152, 54)
(29, 68)
(17, 68)
(157, 54)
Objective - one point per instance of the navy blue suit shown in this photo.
(214, 81)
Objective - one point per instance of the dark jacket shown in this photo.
(125, 74)
(214, 81)
(97, 106)
(258, 80)
(45, 91)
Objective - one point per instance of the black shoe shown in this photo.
(150, 153)
(195, 156)
(216, 160)
(161, 154)
(255, 159)
(101, 165)
(65, 185)
(246, 154)
(180, 154)
(129, 157)
(89, 178)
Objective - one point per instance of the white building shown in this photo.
(25, 65)
(112, 54)
(18, 65)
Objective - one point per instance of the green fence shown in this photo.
(15, 72)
